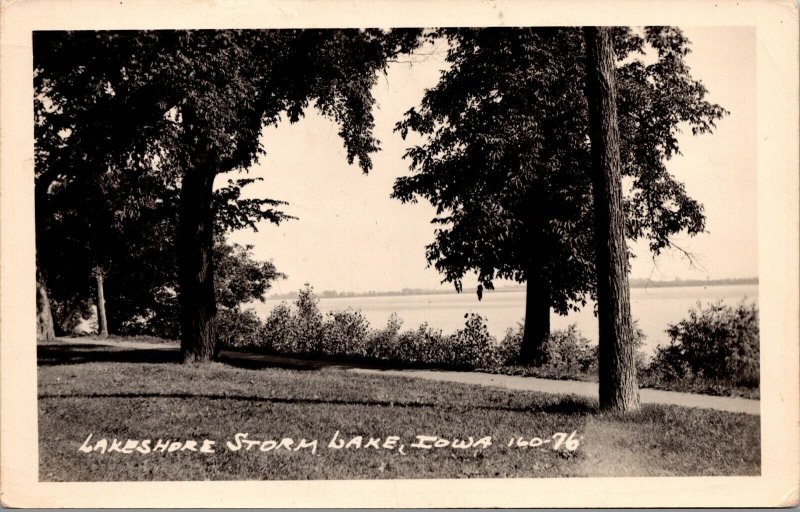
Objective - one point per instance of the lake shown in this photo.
(654, 308)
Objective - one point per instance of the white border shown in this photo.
(776, 25)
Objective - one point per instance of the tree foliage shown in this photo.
(160, 95)
(137, 101)
(239, 278)
(185, 106)
(505, 153)
(119, 222)
(125, 222)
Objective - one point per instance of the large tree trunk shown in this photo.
(102, 321)
(44, 313)
(196, 266)
(617, 369)
(537, 321)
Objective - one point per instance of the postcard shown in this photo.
(399, 254)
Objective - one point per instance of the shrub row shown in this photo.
(715, 346)
(303, 330)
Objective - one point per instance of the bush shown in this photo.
(510, 347)
(565, 354)
(473, 346)
(275, 334)
(565, 351)
(345, 333)
(468, 348)
(75, 317)
(307, 324)
(303, 330)
(568, 351)
(639, 338)
(237, 328)
(295, 332)
(381, 342)
(717, 344)
(162, 319)
(422, 346)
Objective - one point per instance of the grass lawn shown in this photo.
(162, 400)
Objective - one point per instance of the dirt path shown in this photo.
(589, 389)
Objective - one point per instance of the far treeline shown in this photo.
(525, 141)
(634, 283)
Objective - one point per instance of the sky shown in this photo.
(351, 236)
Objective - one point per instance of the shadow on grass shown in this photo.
(80, 353)
(568, 405)
(55, 355)
(259, 362)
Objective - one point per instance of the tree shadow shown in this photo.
(52, 354)
(567, 406)
(259, 362)
(79, 353)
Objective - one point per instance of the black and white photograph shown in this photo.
(444, 253)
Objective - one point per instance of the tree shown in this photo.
(239, 278)
(81, 196)
(506, 147)
(617, 364)
(102, 321)
(98, 227)
(106, 234)
(195, 102)
(44, 313)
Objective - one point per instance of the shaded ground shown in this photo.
(89, 391)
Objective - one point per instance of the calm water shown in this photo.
(654, 308)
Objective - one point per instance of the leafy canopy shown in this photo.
(144, 100)
(164, 95)
(505, 153)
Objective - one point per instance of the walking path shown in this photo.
(516, 382)
(573, 387)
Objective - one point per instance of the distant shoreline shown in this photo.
(409, 292)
